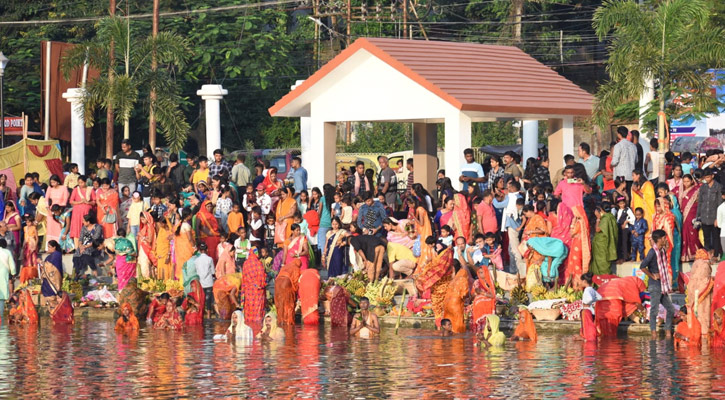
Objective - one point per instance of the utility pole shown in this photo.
(152, 95)
(316, 45)
(405, 18)
(109, 110)
(348, 22)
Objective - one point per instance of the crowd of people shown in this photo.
(230, 234)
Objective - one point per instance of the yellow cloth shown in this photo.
(199, 176)
(647, 202)
(235, 220)
(134, 213)
(397, 252)
(71, 180)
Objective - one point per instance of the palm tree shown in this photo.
(673, 42)
(128, 73)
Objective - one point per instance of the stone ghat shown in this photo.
(428, 323)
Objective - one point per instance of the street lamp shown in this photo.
(3, 63)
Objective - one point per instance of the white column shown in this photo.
(644, 99)
(77, 128)
(568, 142)
(212, 95)
(320, 162)
(308, 152)
(529, 140)
(457, 139)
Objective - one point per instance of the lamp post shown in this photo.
(3, 63)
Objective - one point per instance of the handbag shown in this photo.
(110, 217)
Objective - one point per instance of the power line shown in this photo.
(148, 15)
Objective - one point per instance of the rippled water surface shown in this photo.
(89, 360)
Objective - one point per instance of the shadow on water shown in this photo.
(89, 360)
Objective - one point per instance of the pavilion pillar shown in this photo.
(561, 142)
(457, 139)
(320, 161)
(77, 128)
(529, 140)
(307, 152)
(212, 96)
(425, 154)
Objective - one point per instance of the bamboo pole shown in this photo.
(400, 313)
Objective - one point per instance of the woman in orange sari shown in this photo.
(577, 263)
(285, 292)
(435, 276)
(453, 307)
(30, 251)
(24, 312)
(107, 208)
(310, 296)
(461, 218)
(208, 228)
(146, 238)
(535, 226)
(254, 283)
(162, 251)
(127, 323)
(620, 298)
(284, 213)
(226, 295)
(419, 216)
(525, 330)
(184, 243)
(485, 301)
(689, 333)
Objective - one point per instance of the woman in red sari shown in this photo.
(620, 298)
(226, 294)
(310, 296)
(83, 199)
(338, 298)
(107, 208)
(485, 301)
(208, 228)
(562, 231)
(62, 312)
(254, 282)
(460, 219)
(717, 331)
(285, 292)
(193, 305)
(687, 196)
(170, 320)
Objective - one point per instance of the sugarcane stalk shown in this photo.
(400, 314)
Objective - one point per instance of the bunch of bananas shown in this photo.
(519, 296)
(171, 284)
(73, 287)
(380, 293)
(538, 292)
(569, 294)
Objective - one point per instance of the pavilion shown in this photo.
(428, 83)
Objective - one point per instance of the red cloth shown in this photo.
(588, 329)
(63, 312)
(254, 281)
(718, 291)
(313, 221)
(157, 308)
(338, 305)
(619, 299)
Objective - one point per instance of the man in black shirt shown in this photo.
(371, 250)
(655, 266)
(639, 162)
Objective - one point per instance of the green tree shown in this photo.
(674, 42)
(123, 82)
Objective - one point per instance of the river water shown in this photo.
(89, 360)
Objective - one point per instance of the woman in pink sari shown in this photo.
(107, 202)
(12, 220)
(82, 199)
(296, 246)
(55, 194)
(562, 231)
(459, 218)
(687, 196)
(572, 190)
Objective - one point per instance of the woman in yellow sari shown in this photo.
(643, 196)
(184, 243)
(284, 213)
(162, 250)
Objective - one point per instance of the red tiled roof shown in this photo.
(470, 76)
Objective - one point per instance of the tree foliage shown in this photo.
(673, 41)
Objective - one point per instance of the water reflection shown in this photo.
(89, 360)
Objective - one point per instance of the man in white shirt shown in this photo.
(205, 269)
(263, 201)
(7, 268)
(471, 171)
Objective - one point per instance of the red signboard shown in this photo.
(13, 124)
